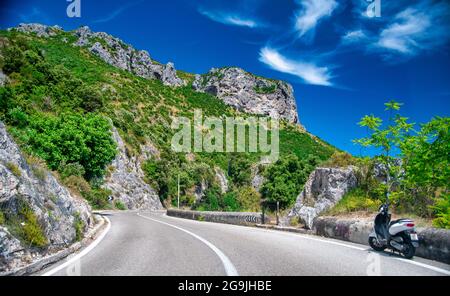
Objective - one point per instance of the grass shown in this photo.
(37, 166)
(356, 204)
(354, 201)
(78, 225)
(24, 224)
(302, 144)
(266, 89)
(14, 169)
(119, 205)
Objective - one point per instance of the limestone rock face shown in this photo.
(54, 207)
(222, 179)
(39, 29)
(3, 78)
(249, 93)
(257, 178)
(118, 54)
(113, 51)
(324, 188)
(169, 75)
(127, 179)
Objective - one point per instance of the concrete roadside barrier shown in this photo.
(238, 218)
(434, 243)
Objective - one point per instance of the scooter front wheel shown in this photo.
(374, 244)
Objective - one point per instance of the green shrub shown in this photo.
(98, 198)
(211, 200)
(340, 159)
(295, 221)
(119, 205)
(78, 185)
(355, 200)
(37, 166)
(14, 169)
(2, 218)
(29, 229)
(265, 89)
(239, 169)
(285, 179)
(17, 117)
(230, 202)
(70, 138)
(249, 199)
(442, 212)
(71, 169)
(78, 225)
(293, 141)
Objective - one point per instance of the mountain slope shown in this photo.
(56, 79)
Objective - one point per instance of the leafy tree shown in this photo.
(249, 199)
(71, 138)
(239, 169)
(419, 182)
(286, 177)
(387, 138)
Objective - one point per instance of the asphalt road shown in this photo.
(144, 243)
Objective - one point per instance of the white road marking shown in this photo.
(434, 268)
(332, 242)
(229, 267)
(427, 266)
(82, 253)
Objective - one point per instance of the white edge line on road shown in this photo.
(229, 267)
(305, 236)
(78, 256)
(348, 245)
(437, 269)
(427, 266)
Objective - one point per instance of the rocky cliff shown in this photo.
(249, 93)
(126, 181)
(114, 52)
(234, 86)
(324, 188)
(34, 205)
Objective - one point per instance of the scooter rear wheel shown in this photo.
(374, 244)
(409, 251)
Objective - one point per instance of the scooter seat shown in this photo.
(399, 220)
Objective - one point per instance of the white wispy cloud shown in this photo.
(116, 12)
(311, 12)
(407, 34)
(354, 36)
(307, 71)
(230, 18)
(412, 30)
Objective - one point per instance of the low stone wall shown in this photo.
(434, 243)
(238, 218)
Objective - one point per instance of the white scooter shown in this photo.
(398, 235)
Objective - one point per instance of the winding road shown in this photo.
(149, 243)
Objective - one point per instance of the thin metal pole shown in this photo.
(278, 209)
(178, 191)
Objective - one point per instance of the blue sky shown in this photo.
(342, 63)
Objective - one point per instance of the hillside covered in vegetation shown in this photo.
(61, 101)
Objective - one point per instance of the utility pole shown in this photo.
(278, 210)
(178, 190)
